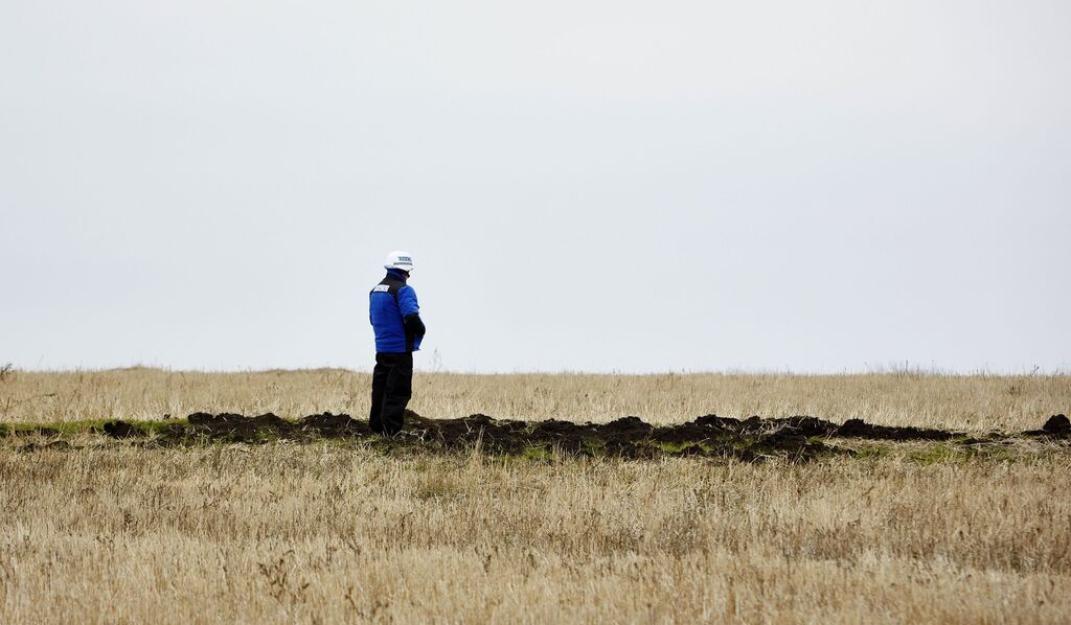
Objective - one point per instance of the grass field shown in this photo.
(971, 403)
(336, 531)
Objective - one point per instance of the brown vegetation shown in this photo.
(965, 403)
(324, 533)
(342, 530)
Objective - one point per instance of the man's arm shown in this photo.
(407, 303)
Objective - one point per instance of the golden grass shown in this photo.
(337, 532)
(972, 403)
(328, 533)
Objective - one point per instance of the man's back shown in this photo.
(392, 309)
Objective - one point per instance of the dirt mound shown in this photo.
(327, 424)
(754, 438)
(238, 428)
(628, 428)
(804, 426)
(233, 427)
(1057, 426)
(120, 429)
(857, 428)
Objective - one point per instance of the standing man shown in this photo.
(395, 316)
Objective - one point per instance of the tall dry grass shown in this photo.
(340, 533)
(326, 533)
(973, 403)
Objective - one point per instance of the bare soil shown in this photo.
(752, 439)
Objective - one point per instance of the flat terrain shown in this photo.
(110, 513)
(969, 403)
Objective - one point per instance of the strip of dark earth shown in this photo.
(752, 439)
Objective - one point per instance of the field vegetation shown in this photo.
(970, 403)
(98, 529)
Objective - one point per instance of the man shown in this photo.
(395, 316)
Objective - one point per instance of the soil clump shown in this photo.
(751, 439)
(1057, 426)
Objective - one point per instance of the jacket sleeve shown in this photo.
(407, 301)
(414, 327)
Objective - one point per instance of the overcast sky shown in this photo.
(584, 185)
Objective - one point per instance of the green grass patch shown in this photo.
(949, 453)
(593, 447)
(871, 451)
(537, 452)
(84, 426)
(676, 448)
(941, 453)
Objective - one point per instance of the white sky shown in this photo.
(585, 185)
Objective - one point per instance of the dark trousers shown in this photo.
(392, 386)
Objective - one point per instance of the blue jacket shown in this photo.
(395, 315)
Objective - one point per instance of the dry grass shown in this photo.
(331, 534)
(971, 403)
(336, 532)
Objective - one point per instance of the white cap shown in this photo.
(399, 260)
